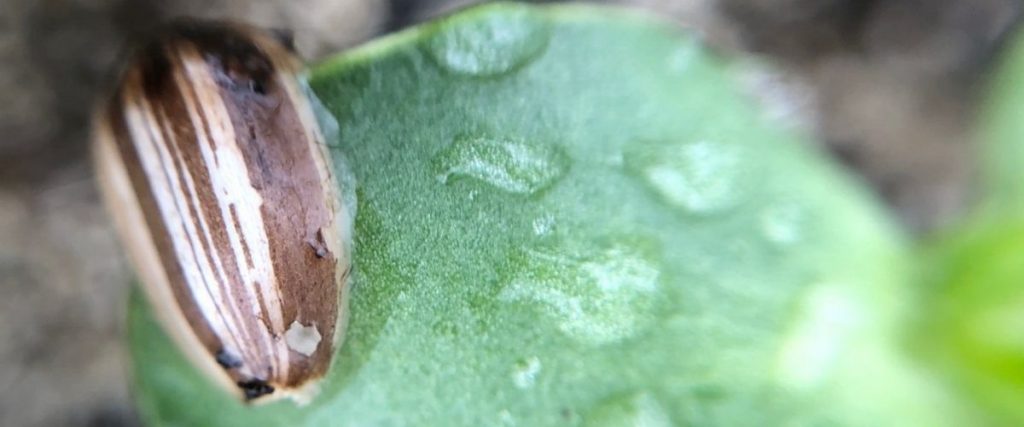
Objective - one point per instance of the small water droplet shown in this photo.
(507, 164)
(700, 177)
(505, 418)
(525, 372)
(544, 225)
(683, 55)
(635, 410)
(446, 328)
(492, 43)
(783, 223)
(596, 296)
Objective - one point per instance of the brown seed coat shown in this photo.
(218, 177)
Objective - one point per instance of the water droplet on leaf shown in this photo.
(595, 296)
(491, 45)
(783, 223)
(700, 177)
(507, 164)
(525, 372)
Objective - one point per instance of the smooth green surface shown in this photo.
(569, 216)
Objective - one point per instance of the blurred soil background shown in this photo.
(890, 87)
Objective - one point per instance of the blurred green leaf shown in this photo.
(971, 306)
(972, 315)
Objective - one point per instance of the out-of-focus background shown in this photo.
(888, 86)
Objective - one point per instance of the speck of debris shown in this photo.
(255, 388)
(318, 246)
(302, 339)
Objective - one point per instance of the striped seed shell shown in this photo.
(213, 166)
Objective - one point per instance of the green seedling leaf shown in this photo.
(569, 215)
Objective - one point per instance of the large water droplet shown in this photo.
(510, 165)
(595, 296)
(635, 410)
(701, 177)
(495, 43)
(783, 223)
(525, 372)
